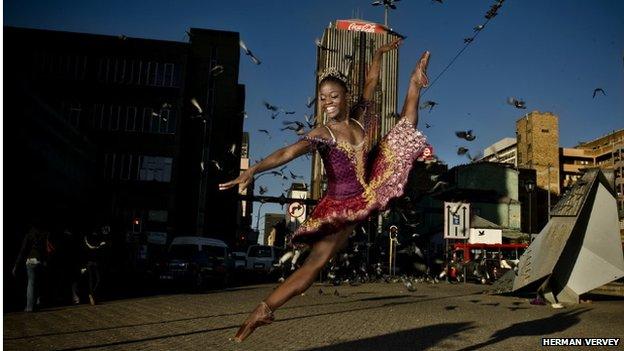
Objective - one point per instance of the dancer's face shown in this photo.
(333, 98)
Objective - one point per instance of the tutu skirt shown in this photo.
(387, 177)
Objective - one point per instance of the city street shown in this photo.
(367, 317)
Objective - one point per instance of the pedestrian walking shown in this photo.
(94, 246)
(33, 254)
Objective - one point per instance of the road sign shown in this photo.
(456, 220)
(296, 209)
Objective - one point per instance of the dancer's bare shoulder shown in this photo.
(319, 131)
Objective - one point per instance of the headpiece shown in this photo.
(333, 72)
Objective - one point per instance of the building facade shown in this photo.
(605, 152)
(274, 229)
(503, 151)
(537, 135)
(152, 149)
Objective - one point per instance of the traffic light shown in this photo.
(136, 225)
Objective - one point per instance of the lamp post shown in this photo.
(258, 216)
(201, 200)
(529, 186)
(549, 165)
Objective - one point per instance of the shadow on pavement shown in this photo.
(539, 327)
(602, 297)
(390, 297)
(281, 320)
(414, 339)
(244, 313)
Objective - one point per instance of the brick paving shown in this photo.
(366, 317)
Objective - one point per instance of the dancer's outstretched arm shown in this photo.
(372, 76)
(418, 80)
(276, 159)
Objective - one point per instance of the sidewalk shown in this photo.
(367, 317)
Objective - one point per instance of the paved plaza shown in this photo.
(367, 317)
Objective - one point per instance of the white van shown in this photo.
(196, 260)
(261, 258)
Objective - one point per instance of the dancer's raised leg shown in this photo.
(297, 283)
(418, 80)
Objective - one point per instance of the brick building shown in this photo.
(537, 135)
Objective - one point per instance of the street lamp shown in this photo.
(262, 202)
(529, 186)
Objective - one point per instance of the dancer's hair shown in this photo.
(334, 75)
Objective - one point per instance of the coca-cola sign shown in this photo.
(360, 26)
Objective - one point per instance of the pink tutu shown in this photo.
(345, 166)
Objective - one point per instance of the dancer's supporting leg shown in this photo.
(297, 283)
(303, 277)
(417, 81)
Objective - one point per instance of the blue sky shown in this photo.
(552, 54)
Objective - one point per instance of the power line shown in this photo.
(468, 42)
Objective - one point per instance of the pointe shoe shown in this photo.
(262, 315)
(421, 71)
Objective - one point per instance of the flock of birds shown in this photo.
(302, 127)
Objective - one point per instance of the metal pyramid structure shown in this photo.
(580, 247)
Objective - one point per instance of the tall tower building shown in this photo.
(349, 45)
(538, 148)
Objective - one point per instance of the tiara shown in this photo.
(333, 72)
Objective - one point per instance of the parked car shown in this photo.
(260, 258)
(197, 260)
(239, 260)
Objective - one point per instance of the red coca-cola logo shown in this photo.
(359, 26)
(362, 27)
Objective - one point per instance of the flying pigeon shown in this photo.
(323, 47)
(248, 52)
(216, 70)
(465, 135)
(598, 90)
(430, 104)
(517, 103)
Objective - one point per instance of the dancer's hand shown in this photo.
(419, 76)
(393, 45)
(14, 271)
(242, 180)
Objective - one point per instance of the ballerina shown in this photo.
(352, 192)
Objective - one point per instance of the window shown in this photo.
(544, 130)
(141, 73)
(114, 117)
(125, 162)
(104, 118)
(168, 75)
(71, 112)
(151, 73)
(131, 116)
(104, 69)
(147, 120)
(75, 109)
(120, 70)
(109, 165)
(155, 168)
(159, 75)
